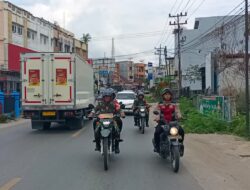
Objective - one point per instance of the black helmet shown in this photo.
(166, 90)
(140, 93)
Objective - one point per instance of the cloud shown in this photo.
(112, 17)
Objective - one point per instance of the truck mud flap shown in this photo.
(37, 125)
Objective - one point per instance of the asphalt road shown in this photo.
(61, 159)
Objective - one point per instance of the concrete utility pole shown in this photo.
(159, 52)
(166, 60)
(246, 65)
(178, 23)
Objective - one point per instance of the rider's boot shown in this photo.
(117, 148)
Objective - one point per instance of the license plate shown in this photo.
(49, 113)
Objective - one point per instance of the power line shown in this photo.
(166, 41)
(166, 24)
(198, 38)
(125, 36)
(209, 35)
(201, 3)
(185, 6)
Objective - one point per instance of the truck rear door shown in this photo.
(33, 81)
(62, 80)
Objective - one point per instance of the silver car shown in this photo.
(126, 97)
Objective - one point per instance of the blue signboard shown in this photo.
(150, 64)
(103, 72)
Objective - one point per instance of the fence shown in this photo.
(221, 106)
(10, 104)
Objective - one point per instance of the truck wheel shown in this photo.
(80, 123)
(46, 125)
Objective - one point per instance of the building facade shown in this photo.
(210, 34)
(104, 69)
(126, 71)
(22, 32)
(139, 72)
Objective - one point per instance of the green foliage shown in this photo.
(3, 119)
(241, 103)
(193, 73)
(150, 99)
(195, 122)
(86, 38)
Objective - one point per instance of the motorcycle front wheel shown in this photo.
(105, 153)
(142, 125)
(175, 159)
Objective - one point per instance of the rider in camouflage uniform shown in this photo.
(107, 105)
(140, 101)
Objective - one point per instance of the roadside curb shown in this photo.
(14, 123)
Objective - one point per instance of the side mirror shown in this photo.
(156, 112)
(91, 106)
(122, 106)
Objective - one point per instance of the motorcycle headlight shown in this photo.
(142, 110)
(106, 123)
(173, 131)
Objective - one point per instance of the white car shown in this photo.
(126, 97)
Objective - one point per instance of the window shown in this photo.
(16, 28)
(13, 28)
(19, 11)
(20, 30)
(31, 34)
(66, 48)
(44, 39)
(56, 42)
(196, 24)
(60, 47)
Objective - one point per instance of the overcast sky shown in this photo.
(106, 18)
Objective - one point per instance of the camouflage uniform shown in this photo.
(102, 108)
(140, 102)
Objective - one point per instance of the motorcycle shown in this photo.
(170, 145)
(107, 127)
(142, 112)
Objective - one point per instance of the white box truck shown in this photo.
(56, 87)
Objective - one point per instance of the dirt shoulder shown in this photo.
(218, 161)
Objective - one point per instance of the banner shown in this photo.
(34, 77)
(61, 76)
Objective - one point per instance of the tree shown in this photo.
(193, 73)
(86, 38)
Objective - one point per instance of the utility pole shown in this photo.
(178, 23)
(246, 65)
(166, 60)
(159, 52)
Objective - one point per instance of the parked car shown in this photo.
(126, 97)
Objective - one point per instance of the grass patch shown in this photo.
(195, 122)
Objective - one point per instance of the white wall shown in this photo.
(194, 51)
